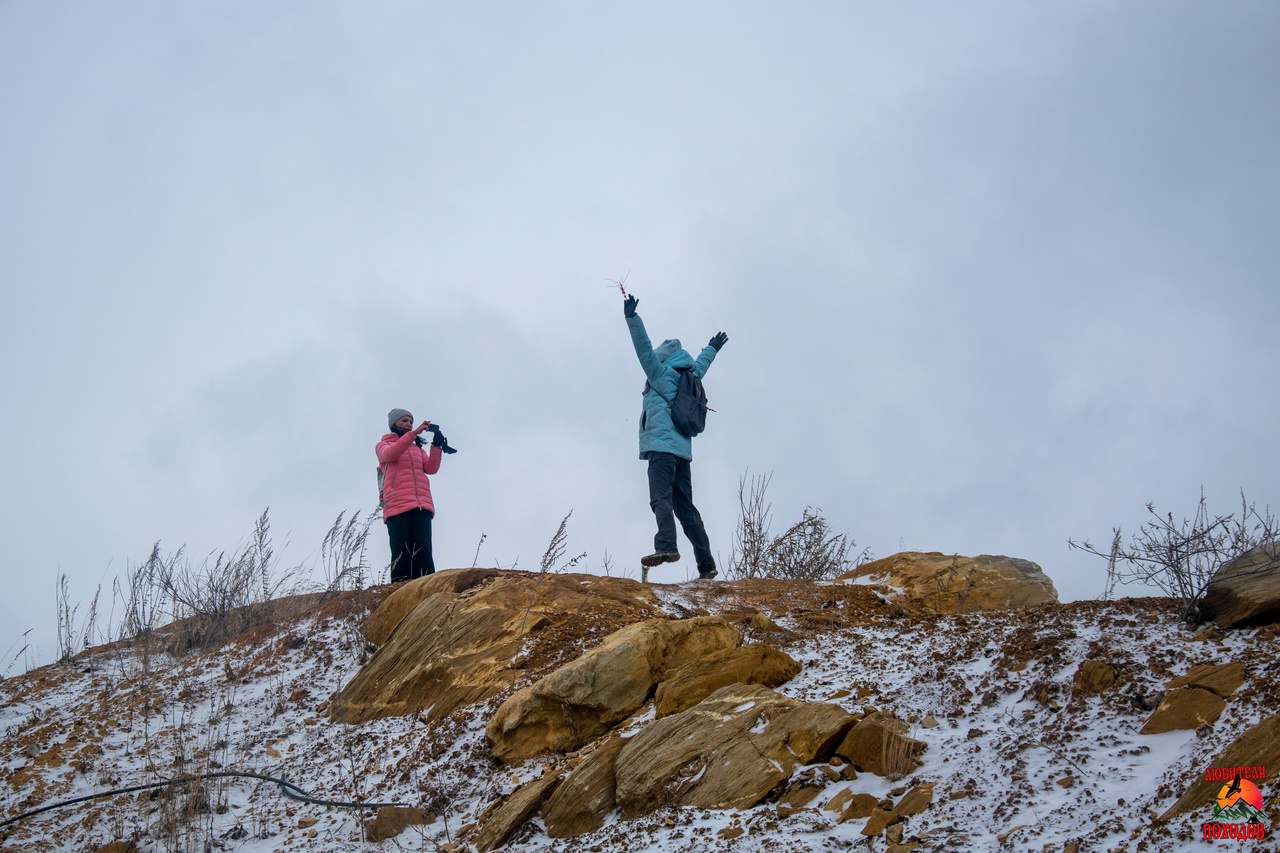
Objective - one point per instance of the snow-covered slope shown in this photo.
(1018, 761)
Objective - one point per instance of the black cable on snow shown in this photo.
(289, 789)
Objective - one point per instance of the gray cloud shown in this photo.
(993, 276)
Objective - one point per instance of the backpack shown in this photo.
(382, 504)
(689, 408)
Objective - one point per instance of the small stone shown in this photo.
(930, 722)
(305, 822)
(880, 819)
(917, 800)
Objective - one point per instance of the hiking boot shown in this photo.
(658, 558)
(706, 576)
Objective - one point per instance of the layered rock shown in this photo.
(1219, 679)
(503, 820)
(586, 697)
(1246, 591)
(461, 636)
(588, 794)
(729, 751)
(694, 681)
(954, 584)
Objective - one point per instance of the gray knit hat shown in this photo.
(395, 415)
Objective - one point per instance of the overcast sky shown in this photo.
(994, 274)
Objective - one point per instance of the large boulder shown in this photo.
(459, 637)
(1246, 591)
(694, 681)
(729, 751)
(948, 583)
(584, 698)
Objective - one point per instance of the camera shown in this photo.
(438, 439)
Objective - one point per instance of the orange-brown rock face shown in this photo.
(728, 751)
(955, 584)
(461, 636)
(694, 681)
(1184, 708)
(584, 698)
(1245, 591)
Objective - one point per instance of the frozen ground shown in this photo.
(1018, 762)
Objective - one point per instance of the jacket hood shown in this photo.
(679, 360)
(666, 349)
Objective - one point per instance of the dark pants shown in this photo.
(671, 497)
(410, 534)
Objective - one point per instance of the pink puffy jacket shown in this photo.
(405, 467)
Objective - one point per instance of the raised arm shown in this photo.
(640, 340)
(703, 362)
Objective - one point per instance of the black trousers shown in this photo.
(410, 534)
(671, 497)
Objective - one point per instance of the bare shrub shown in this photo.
(214, 602)
(142, 593)
(556, 549)
(807, 550)
(898, 751)
(66, 619)
(1180, 558)
(343, 552)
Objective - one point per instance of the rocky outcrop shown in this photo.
(954, 584)
(1259, 747)
(588, 794)
(1184, 708)
(752, 664)
(1246, 591)
(586, 697)
(461, 636)
(729, 751)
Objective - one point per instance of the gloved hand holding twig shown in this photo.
(629, 306)
(718, 341)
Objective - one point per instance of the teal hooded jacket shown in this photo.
(657, 431)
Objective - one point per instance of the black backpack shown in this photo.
(689, 408)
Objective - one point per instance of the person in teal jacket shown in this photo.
(668, 451)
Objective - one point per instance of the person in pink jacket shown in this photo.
(405, 460)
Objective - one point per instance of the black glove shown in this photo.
(718, 341)
(629, 306)
(438, 440)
